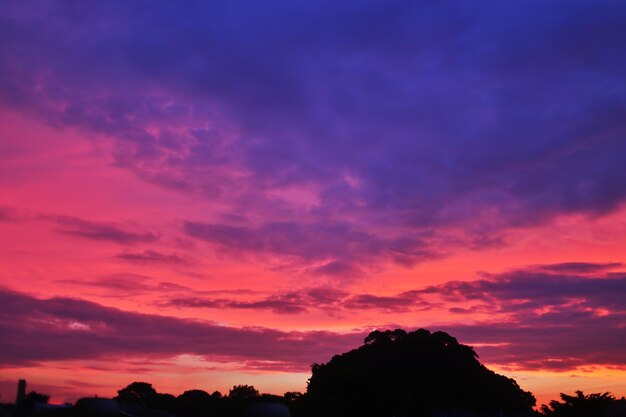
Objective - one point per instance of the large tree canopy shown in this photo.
(396, 373)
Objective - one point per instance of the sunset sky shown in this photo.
(204, 194)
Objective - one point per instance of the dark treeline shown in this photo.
(394, 373)
(239, 401)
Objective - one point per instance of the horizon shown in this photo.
(374, 337)
(202, 196)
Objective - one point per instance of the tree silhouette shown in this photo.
(140, 393)
(33, 398)
(292, 396)
(581, 405)
(410, 374)
(194, 396)
(164, 402)
(243, 393)
(200, 403)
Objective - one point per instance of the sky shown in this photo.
(206, 194)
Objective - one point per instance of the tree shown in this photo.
(137, 393)
(199, 403)
(163, 402)
(581, 405)
(33, 398)
(410, 374)
(292, 396)
(243, 393)
(194, 396)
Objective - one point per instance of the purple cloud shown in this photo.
(545, 317)
(578, 268)
(567, 286)
(416, 118)
(152, 257)
(35, 330)
(9, 214)
(117, 285)
(86, 229)
(402, 302)
(538, 320)
(341, 247)
(296, 302)
(281, 304)
(556, 341)
(540, 288)
(105, 231)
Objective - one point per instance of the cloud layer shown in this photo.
(394, 130)
(35, 330)
(537, 321)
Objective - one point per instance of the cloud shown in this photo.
(296, 302)
(540, 287)
(554, 317)
(281, 304)
(557, 341)
(152, 257)
(341, 247)
(124, 284)
(105, 231)
(10, 214)
(117, 283)
(35, 330)
(421, 119)
(574, 286)
(306, 300)
(403, 302)
(86, 229)
(579, 268)
(526, 319)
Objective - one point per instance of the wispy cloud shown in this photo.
(531, 290)
(10, 214)
(106, 231)
(125, 284)
(295, 302)
(338, 249)
(83, 228)
(542, 288)
(153, 257)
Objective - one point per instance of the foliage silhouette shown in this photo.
(194, 396)
(243, 393)
(33, 398)
(200, 403)
(137, 393)
(292, 396)
(581, 405)
(396, 373)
